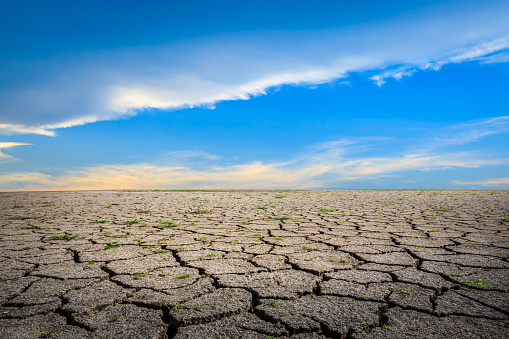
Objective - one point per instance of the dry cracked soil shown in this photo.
(254, 264)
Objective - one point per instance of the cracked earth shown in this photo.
(254, 264)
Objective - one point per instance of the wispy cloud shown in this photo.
(481, 52)
(496, 58)
(329, 164)
(472, 131)
(332, 163)
(6, 145)
(496, 182)
(251, 175)
(74, 90)
(397, 74)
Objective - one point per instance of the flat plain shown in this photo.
(254, 264)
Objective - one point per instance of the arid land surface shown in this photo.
(254, 264)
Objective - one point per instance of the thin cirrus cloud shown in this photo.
(6, 145)
(327, 164)
(495, 182)
(73, 90)
(308, 174)
(468, 132)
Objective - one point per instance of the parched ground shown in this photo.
(254, 264)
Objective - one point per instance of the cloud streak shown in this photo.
(496, 182)
(326, 164)
(472, 131)
(74, 90)
(331, 164)
(6, 145)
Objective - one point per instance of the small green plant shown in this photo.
(167, 224)
(198, 211)
(181, 307)
(46, 334)
(109, 246)
(366, 325)
(385, 325)
(132, 222)
(465, 288)
(344, 260)
(160, 251)
(184, 276)
(160, 303)
(25, 218)
(114, 319)
(273, 303)
(406, 291)
(163, 324)
(31, 228)
(65, 237)
(333, 260)
(212, 255)
(476, 282)
(324, 210)
(140, 275)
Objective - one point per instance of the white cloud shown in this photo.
(481, 52)
(473, 131)
(185, 157)
(397, 74)
(7, 145)
(495, 58)
(48, 129)
(326, 165)
(497, 182)
(9, 129)
(476, 52)
(74, 90)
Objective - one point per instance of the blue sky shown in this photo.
(361, 94)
